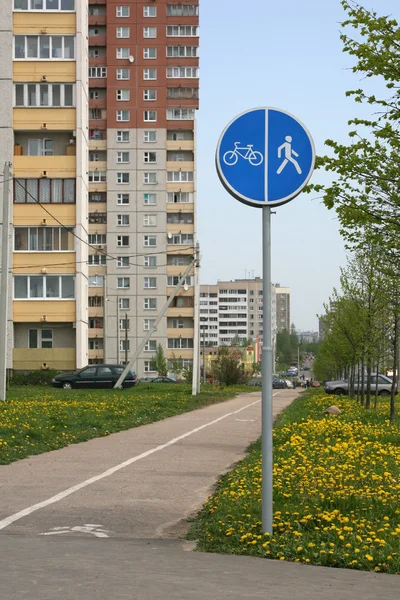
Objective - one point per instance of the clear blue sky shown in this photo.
(285, 54)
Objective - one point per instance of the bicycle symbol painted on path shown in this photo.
(254, 157)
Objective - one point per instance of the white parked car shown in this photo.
(289, 384)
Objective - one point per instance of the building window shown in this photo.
(150, 282)
(96, 281)
(151, 346)
(150, 261)
(97, 259)
(49, 95)
(123, 32)
(123, 199)
(123, 115)
(124, 303)
(123, 136)
(150, 220)
(150, 157)
(150, 303)
(123, 282)
(180, 176)
(122, 262)
(182, 10)
(123, 220)
(180, 197)
(150, 178)
(182, 72)
(40, 338)
(123, 241)
(174, 280)
(98, 217)
(148, 366)
(149, 136)
(123, 11)
(150, 240)
(150, 199)
(43, 239)
(150, 32)
(122, 157)
(97, 176)
(150, 115)
(44, 287)
(180, 343)
(181, 239)
(123, 74)
(149, 73)
(149, 94)
(182, 31)
(123, 178)
(44, 191)
(123, 52)
(97, 72)
(39, 5)
(182, 51)
(150, 53)
(97, 239)
(149, 11)
(124, 345)
(123, 95)
(180, 114)
(124, 324)
(44, 47)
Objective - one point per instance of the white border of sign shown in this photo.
(250, 201)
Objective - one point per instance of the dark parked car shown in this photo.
(255, 383)
(165, 380)
(279, 384)
(94, 376)
(145, 379)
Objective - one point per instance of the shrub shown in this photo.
(33, 377)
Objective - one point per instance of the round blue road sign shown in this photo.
(265, 157)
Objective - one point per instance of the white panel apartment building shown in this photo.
(232, 310)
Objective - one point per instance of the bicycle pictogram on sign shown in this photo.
(254, 157)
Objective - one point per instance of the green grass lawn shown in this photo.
(336, 491)
(38, 419)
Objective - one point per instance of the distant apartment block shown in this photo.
(282, 307)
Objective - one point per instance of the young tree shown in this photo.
(159, 363)
(228, 368)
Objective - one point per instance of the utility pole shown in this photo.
(4, 282)
(126, 338)
(204, 354)
(118, 334)
(196, 337)
(105, 319)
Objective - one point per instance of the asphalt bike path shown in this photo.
(139, 483)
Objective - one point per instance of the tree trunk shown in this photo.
(368, 395)
(362, 381)
(351, 383)
(395, 361)
(376, 385)
(358, 382)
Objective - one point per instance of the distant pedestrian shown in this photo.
(307, 383)
(211, 380)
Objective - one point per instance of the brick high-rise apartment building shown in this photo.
(99, 104)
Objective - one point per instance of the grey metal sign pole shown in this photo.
(266, 370)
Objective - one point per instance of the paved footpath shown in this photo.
(101, 519)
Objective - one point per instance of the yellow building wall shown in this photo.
(32, 359)
(34, 262)
(31, 22)
(55, 71)
(34, 214)
(56, 119)
(32, 311)
(55, 166)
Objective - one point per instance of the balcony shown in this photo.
(185, 332)
(96, 354)
(180, 353)
(96, 311)
(183, 145)
(181, 311)
(33, 311)
(55, 119)
(97, 103)
(32, 359)
(97, 145)
(97, 20)
(98, 40)
(179, 165)
(96, 332)
(52, 166)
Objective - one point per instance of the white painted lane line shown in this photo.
(31, 509)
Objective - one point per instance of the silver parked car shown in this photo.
(342, 387)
